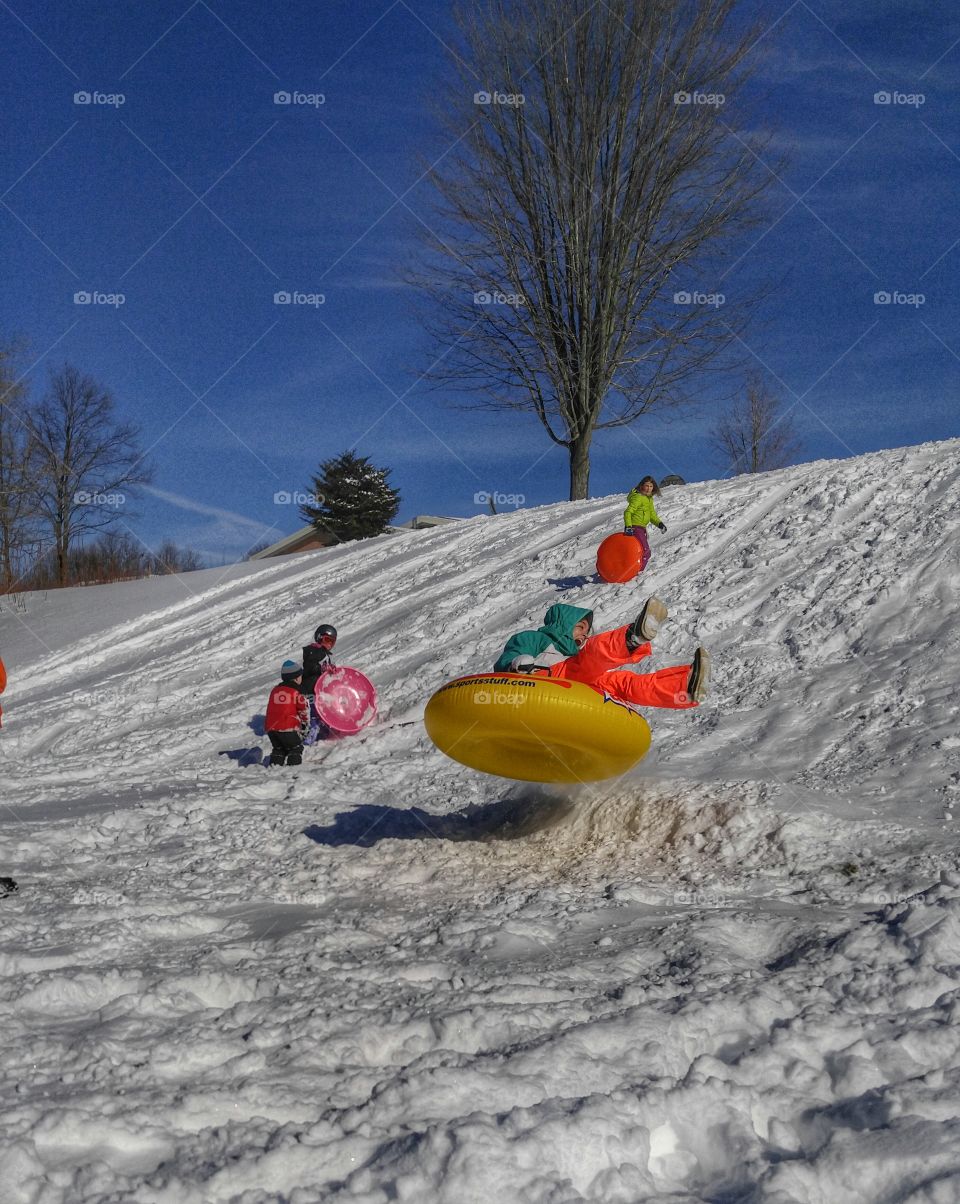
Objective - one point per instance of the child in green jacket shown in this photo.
(640, 513)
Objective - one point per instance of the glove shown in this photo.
(663, 527)
(523, 664)
(628, 530)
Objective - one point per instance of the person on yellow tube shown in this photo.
(563, 647)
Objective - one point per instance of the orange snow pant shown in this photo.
(595, 666)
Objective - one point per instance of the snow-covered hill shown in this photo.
(734, 974)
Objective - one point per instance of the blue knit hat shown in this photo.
(290, 669)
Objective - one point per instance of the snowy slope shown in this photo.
(731, 975)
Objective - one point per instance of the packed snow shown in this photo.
(733, 974)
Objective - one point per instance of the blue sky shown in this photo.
(198, 198)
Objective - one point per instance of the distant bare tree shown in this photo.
(88, 461)
(756, 434)
(601, 173)
(17, 470)
(115, 556)
(170, 558)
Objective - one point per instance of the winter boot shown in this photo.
(699, 677)
(647, 623)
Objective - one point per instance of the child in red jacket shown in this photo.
(288, 717)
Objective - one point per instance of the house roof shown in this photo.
(293, 543)
(289, 543)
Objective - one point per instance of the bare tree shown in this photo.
(602, 177)
(17, 470)
(89, 462)
(756, 434)
(115, 556)
(170, 558)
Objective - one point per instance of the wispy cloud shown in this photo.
(219, 535)
(195, 507)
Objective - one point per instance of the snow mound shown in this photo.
(731, 974)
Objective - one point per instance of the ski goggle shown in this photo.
(327, 641)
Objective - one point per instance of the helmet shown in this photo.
(325, 635)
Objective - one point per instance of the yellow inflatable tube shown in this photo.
(535, 729)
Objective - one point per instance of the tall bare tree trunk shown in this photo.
(61, 563)
(580, 467)
(18, 465)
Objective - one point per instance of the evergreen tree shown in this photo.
(353, 499)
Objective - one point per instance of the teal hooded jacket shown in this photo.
(547, 645)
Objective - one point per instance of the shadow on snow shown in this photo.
(564, 583)
(247, 756)
(512, 818)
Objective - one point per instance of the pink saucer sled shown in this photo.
(346, 700)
